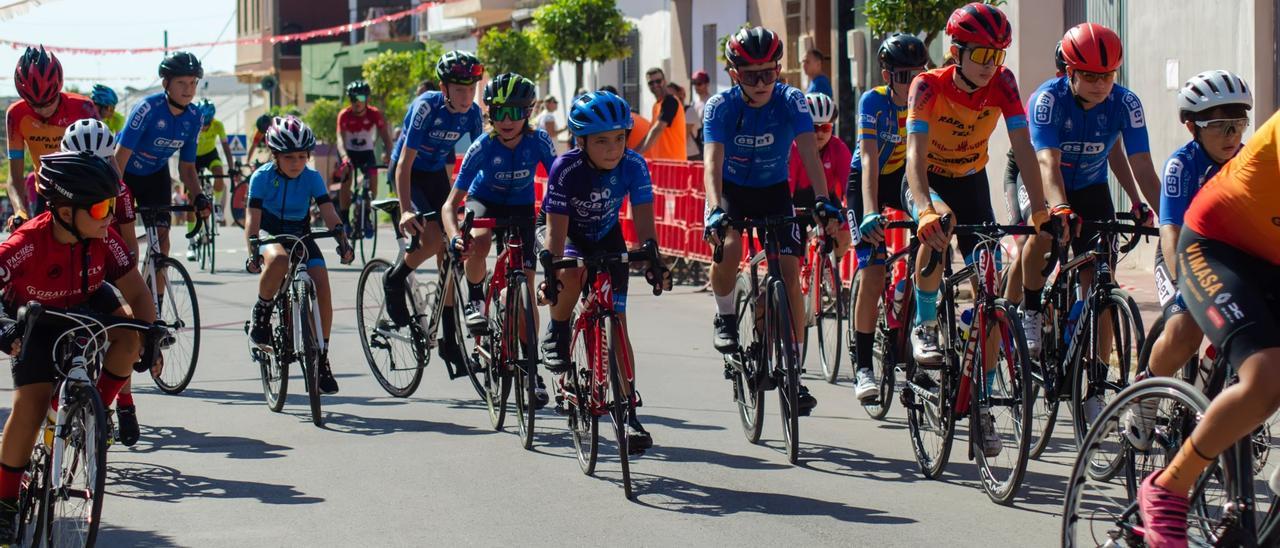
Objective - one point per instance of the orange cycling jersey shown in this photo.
(27, 130)
(1240, 206)
(959, 124)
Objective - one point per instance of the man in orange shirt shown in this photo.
(666, 138)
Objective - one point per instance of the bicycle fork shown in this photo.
(62, 430)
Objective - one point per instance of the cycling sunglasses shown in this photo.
(499, 114)
(822, 128)
(1095, 77)
(986, 56)
(757, 77)
(102, 210)
(1224, 126)
(904, 76)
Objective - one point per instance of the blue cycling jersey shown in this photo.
(592, 198)
(881, 120)
(757, 141)
(285, 203)
(1085, 137)
(1184, 174)
(153, 133)
(432, 130)
(500, 175)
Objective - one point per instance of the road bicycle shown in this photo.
(60, 501)
(891, 347)
(767, 356)
(296, 335)
(939, 396)
(177, 309)
(397, 355)
(601, 379)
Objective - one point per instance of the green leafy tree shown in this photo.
(513, 51)
(323, 119)
(578, 31)
(720, 42)
(913, 16)
(394, 75)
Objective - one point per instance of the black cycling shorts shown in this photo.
(742, 202)
(579, 245)
(206, 161)
(1091, 203)
(37, 367)
(429, 190)
(969, 200)
(502, 211)
(1231, 294)
(363, 160)
(889, 192)
(154, 190)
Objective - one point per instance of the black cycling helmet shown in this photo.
(1058, 60)
(263, 122)
(753, 46)
(902, 51)
(181, 63)
(509, 90)
(76, 179)
(358, 88)
(459, 67)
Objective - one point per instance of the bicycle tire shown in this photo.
(187, 327)
(586, 348)
(782, 341)
(85, 456)
(211, 243)
(492, 379)
(273, 370)
(400, 382)
(747, 391)
(620, 409)
(1015, 381)
(526, 370)
(1110, 505)
(884, 364)
(373, 220)
(311, 353)
(357, 229)
(1126, 325)
(32, 517)
(831, 310)
(1045, 385)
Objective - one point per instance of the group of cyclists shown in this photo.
(922, 149)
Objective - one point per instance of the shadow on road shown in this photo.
(344, 423)
(729, 460)
(676, 495)
(159, 483)
(177, 438)
(230, 397)
(681, 424)
(116, 536)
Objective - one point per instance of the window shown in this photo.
(710, 51)
(629, 71)
(793, 11)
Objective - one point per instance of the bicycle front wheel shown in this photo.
(75, 508)
(273, 364)
(1098, 377)
(525, 353)
(1006, 394)
(587, 348)
(312, 354)
(620, 407)
(831, 310)
(748, 371)
(884, 363)
(179, 313)
(781, 338)
(393, 354)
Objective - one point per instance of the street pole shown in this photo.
(166, 42)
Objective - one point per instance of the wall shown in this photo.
(727, 16)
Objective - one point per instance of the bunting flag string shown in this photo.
(275, 39)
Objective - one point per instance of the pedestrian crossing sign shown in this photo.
(238, 144)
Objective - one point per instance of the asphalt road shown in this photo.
(216, 467)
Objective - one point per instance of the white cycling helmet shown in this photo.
(821, 107)
(1211, 89)
(90, 135)
(290, 134)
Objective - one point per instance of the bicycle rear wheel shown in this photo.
(1046, 385)
(781, 338)
(620, 407)
(884, 363)
(179, 313)
(748, 375)
(33, 518)
(525, 354)
(75, 509)
(273, 364)
(372, 217)
(312, 353)
(928, 397)
(1009, 399)
(1097, 379)
(396, 356)
(587, 349)
(831, 313)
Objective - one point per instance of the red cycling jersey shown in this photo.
(27, 130)
(835, 158)
(36, 267)
(359, 131)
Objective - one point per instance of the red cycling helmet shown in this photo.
(981, 25)
(1092, 48)
(38, 76)
(754, 46)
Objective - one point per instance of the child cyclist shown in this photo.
(72, 238)
(836, 160)
(280, 195)
(496, 180)
(585, 190)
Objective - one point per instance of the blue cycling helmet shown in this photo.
(206, 109)
(103, 95)
(599, 111)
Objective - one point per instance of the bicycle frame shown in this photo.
(507, 271)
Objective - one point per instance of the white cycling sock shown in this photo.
(725, 304)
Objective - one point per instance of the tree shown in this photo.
(582, 30)
(913, 16)
(394, 75)
(323, 119)
(513, 51)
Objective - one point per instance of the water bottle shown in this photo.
(899, 297)
(966, 322)
(1071, 322)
